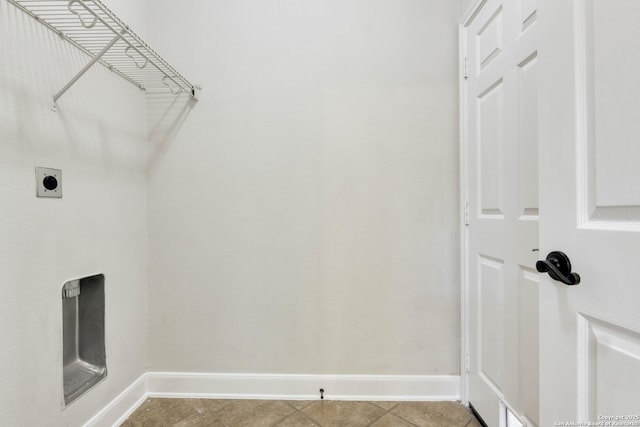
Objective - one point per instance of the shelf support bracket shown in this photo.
(80, 73)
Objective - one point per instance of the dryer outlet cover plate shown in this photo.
(48, 182)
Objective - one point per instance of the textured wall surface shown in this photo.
(303, 218)
(98, 139)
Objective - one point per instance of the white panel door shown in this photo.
(500, 97)
(589, 131)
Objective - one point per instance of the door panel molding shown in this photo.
(499, 196)
(608, 190)
(605, 348)
(589, 341)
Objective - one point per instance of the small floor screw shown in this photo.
(321, 393)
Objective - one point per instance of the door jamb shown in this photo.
(464, 22)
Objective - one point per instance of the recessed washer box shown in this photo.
(84, 361)
(48, 182)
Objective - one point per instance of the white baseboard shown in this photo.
(122, 406)
(276, 386)
(294, 386)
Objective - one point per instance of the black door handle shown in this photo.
(558, 266)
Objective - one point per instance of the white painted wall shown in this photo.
(98, 139)
(303, 218)
(463, 5)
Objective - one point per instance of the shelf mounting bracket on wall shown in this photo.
(94, 29)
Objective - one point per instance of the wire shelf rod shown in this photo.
(85, 69)
(125, 29)
(94, 29)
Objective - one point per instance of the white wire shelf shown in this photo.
(97, 31)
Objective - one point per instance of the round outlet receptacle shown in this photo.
(50, 182)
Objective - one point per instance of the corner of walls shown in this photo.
(122, 406)
(98, 139)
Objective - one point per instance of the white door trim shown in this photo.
(465, 20)
(519, 48)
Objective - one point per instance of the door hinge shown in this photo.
(465, 68)
(467, 362)
(466, 213)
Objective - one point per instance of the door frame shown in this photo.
(467, 17)
(464, 22)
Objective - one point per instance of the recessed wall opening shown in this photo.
(84, 362)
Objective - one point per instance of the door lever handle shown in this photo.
(558, 266)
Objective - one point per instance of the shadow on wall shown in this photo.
(93, 122)
(166, 114)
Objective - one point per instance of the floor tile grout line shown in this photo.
(471, 420)
(308, 403)
(395, 411)
(401, 417)
(309, 418)
(388, 410)
(300, 411)
(215, 416)
(214, 413)
(286, 416)
(378, 419)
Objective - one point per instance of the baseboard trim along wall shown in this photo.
(294, 386)
(122, 406)
(277, 386)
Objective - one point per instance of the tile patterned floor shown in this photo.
(298, 413)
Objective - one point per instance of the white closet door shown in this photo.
(502, 192)
(590, 209)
